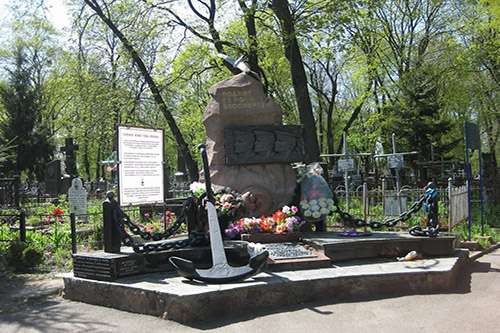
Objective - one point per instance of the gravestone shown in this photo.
(53, 178)
(239, 105)
(77, 197)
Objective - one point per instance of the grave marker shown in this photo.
(53, 178)
(69, 149)
(77, 197)
(346, 165)
(395, 161)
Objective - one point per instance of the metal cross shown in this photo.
(395, 161)
(347, 164)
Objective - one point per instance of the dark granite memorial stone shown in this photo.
(53, 178)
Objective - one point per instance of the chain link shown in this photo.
(197, 237)
(403, 217)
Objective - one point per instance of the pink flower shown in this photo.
(294, 209)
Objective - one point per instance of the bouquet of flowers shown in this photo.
(284, 220)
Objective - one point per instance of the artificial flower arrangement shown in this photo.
(317, 208)
(227, 201)
(54, 217)
(317, 200)
(285, 220)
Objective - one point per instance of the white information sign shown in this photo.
(77, 197)
(346, 165)
(140, 168)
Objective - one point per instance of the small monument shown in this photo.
(77, 197)
(249, 150)
(53, 178)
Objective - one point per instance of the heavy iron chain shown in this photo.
(414, 231)
(196, 237)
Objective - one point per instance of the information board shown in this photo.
(140, 165)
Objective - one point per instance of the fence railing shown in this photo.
(73, 231)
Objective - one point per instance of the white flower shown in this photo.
(329, 202)
(316, 215)
(315, 208)
(304, 204)
(196, 187)
(285, 209)
(307, 213)
(313, 202)
(322, 202)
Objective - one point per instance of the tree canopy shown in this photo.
(370, 68)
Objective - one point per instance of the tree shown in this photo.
(21, 99)
(299, 78)
(145, 72)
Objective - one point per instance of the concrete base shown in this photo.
(380, 244)
(172, 297)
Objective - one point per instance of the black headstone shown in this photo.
(53, 177)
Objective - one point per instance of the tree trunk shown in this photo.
(299, 79)
(183, 147)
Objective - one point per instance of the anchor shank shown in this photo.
(216, 243)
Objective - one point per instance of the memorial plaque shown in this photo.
(395, 161)
(282, 251)
(93, 268)
(346, 165)
(263, 144)
(106, 267)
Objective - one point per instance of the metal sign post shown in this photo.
(473, 141)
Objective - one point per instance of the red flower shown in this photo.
(279, 216)
(57, 212)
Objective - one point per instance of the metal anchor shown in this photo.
(221, 271)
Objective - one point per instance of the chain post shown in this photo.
(22, 226)
(72, 218)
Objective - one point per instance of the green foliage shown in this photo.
(22, 102)
(22, 257)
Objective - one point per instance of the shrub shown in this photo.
(22, 257)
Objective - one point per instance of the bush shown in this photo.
(22, 257)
